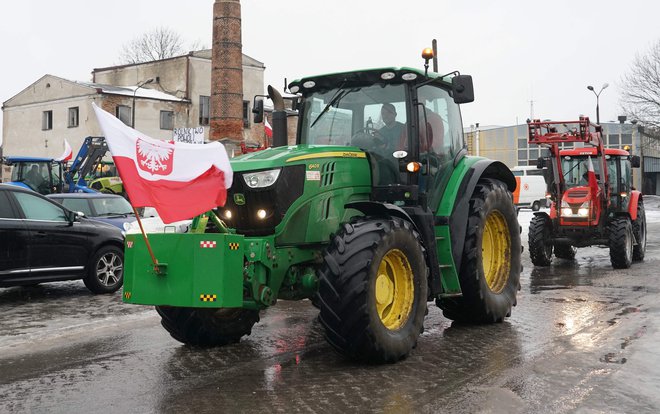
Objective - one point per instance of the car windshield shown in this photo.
(111, 206)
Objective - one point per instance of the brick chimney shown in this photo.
(227, 72)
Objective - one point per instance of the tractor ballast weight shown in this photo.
(369, 229)
(592, 198)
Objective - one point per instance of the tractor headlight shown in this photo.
(566, 209)
(583, 211)
(261, 179)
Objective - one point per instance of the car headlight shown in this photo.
(261, 179)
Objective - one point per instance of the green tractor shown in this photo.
(368, 224)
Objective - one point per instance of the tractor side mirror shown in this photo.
(635, 161)
(540, 163)
(462, 88)
(258, 111)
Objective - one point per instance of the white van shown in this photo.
(530, 187)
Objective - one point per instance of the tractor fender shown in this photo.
(458, 219)
(374, 208)
(635, 197)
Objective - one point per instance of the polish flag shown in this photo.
(178, 179)
(67, 154)
(591, 176)
(268, 128)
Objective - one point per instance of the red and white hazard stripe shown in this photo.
(207, 244)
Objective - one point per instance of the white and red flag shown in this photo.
(179, 180)
(591, 176)
(267, 128)
(67, 154)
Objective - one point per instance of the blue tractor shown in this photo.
(43, 175)
(48, 175)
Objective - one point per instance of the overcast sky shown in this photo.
(517, 51)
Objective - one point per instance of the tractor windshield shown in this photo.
(41, 176)
(576, 168)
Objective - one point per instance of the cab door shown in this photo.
(13, 242)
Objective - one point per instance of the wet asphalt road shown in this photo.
(583, 338)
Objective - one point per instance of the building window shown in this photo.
(204, 109)
(246, 114)
(123, 112)
(73, 117)
(166, 120)
(47, 120)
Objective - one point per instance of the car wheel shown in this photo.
(106, 270)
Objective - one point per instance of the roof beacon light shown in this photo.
(427, 54)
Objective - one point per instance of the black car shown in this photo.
(41, 241)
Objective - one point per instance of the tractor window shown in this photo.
(576, 168)
(372, 118)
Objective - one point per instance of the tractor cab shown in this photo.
(43, 175)
(408, 123)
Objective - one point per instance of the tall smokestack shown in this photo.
(227, 72)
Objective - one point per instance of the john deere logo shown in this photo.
(239, 199)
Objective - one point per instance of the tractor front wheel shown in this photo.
(491, 266)
(540, 247)
(639, 231)
(207, 327)
(373, 290)
(621, 242)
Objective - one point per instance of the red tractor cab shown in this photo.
(592, 198)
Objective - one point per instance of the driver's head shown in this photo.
(388, 113)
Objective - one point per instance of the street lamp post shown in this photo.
(139, 85)
(591, 88)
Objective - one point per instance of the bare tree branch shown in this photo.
(156, 44)
(640, 98)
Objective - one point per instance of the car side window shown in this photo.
(5, 208)
(36, 208)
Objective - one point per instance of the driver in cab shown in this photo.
(393, 130)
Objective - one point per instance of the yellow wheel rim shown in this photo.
(496, 251)
(395, 290)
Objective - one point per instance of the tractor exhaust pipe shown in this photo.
(280, 133)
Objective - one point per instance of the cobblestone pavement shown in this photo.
(583, 338)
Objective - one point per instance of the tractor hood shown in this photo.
(291, 155)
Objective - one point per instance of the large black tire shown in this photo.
(105, 272)
(639, 231)
(565, 251)
(207, 327)
(491, 262)
(621, 242)
(540, 249)
(373, 290)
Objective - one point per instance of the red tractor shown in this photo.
(592, 198)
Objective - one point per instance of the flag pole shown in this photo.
(146, 240)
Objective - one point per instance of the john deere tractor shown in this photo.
(369, 225)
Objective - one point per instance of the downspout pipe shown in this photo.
(280, 133)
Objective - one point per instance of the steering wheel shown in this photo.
(368, 137)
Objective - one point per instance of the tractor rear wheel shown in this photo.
(490, 267)
(565, 251)
(373, 290)
(540, 248)
(621, 242)
(639, 231)
(207, 327)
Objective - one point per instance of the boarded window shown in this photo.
(204, 109)
(166, 120)
(123, 112)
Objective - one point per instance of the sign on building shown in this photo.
(189, 135)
